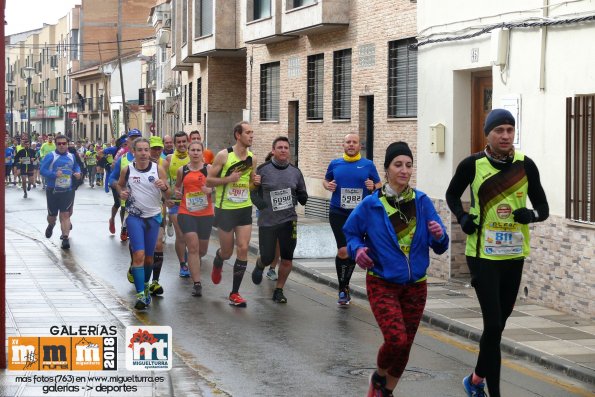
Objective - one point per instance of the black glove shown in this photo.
(524, 216)
(467, 224)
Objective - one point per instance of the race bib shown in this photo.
(91, 161)
(281, 199)
(351, 197)
(237, 193)
(196, 201)
(503, 240)
(63, 181)
(7, 160)
(25, 160)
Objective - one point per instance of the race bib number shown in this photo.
(196, 201)
(237, 193)
(7, 160)
(351, 197)
(281, 199)
(25, 160)
(91, 161)
(63, 181)
(503, 240)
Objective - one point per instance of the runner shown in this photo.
(99, 168)
(36, 180)
(46, 149)
(280, 188)
(91, 162)
(232, 174)
(59, 167)
(207, 155)
(500, 179)
(195, 215)
(168, 145)
(109, 154)
(396, 273)
(142, 184)
(8, 162)
(350, 179)
(23, 165)
(171, 164)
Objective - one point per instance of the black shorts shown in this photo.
(226, 220)
(268, 236)
(337, 222)
(26, 171)
(200, 225)
(7, 170)
(59, 202)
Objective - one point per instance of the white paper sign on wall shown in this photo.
(512, 103)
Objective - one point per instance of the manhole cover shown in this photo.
(417, 374)
(363, 372)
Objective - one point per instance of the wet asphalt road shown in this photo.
(308, 347)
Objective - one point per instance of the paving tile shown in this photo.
(556, 347)
(532, 322)
(458, 313)
(432, 304)
(586, 342)
(590, 329)
(581, 359)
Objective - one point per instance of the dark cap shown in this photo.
(396, 149)
(496, 118)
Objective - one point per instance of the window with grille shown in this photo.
(269, 91)
(203, 17)
(262, 9)
(189, 103)
(402, 79)
(580, 158)
(198, 100)
(315, 86)
(342, 85)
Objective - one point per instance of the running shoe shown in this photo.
(197, 289)
(235, 299)
(129, 275)
(25, 195)
(49, 230)
(257, 272)
(155, 288)
(142, 301)
(184, 272)
(170, 229)
(343, 301)
(124, 234)
(112, 226)
(377, 389)
(65, 243)
(272, 275)
(217, 269)
(473, 390)
(28, 187)
(278, 296)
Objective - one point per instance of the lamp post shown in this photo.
(28, 72)
(66, 114)
(11, 89)
(100, 90)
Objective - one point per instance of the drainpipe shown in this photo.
(250, 100)
(546, 11)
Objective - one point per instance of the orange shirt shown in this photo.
(194, 202)
(208, 156)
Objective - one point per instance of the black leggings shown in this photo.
(496, 284)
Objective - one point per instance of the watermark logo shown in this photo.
(149, 348)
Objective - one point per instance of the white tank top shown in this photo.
(145, 198)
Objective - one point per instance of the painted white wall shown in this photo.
(131, 70)
(444, 86)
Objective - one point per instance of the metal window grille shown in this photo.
(315, 86)
(342, 85)
(402, 79)
(269, 91)
(580, 158)
(262, 9)
(198, 100)
(190, 103)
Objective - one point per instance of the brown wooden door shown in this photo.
(481, 105)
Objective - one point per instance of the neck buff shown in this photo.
(180, 155)
(500, 158)
(405, 195)
(350, 159)
(280, 164)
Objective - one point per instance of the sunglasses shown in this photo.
(61, 143)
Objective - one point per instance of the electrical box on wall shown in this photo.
(437, 138)
(500, 41)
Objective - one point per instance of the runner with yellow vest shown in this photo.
(233, 176)
(500, 179)
(177, 159)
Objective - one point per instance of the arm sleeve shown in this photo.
(438, 246)
(462, 178)
(301, 193)
(536, 193)
(355, 229)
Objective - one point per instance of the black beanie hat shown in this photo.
(497, 117)
(396, 149)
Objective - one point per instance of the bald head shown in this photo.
(351, 145)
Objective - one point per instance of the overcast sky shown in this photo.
(23, 15)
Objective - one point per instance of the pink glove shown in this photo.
(362, 258)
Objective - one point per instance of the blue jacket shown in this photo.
(54, 161)
(369, 226)
(115, 174)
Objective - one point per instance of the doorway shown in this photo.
(366, 126)
(293, 130)
(481, 105)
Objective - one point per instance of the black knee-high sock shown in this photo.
(349, 271)
(239, 268)
(157, 264)
(341, 265)
(148, 271)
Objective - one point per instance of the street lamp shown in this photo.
(11, 89)
(28, 72)
(100, 90)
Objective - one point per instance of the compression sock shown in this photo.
(239, 268)
(341, 265)
(138, 272)
(350, 266)
(148, 272)
(157, 264)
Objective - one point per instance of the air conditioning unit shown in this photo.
(170, 104)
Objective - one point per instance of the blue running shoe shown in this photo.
(343, 299)
(473, 390)
(184, 272)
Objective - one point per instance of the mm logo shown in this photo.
(94, 353)
(23, 353)
(55, 353)
(149, 348)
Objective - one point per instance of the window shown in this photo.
(299, 3)
(269, 91)
(74, 43)
(342, 85)
(189, 103)
(174, 17)
(402, 79)
(580, 159)
(203, 17)
(315, 86)
(262, 9)
(198, 100)
(184, 21)
(185, 103)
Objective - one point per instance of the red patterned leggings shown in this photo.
(398, 310)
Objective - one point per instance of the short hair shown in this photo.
(280, 138)
(194, 133)
(202, 147)
(180, 134)
(61, 136)
(139, 140)
(237, 129)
